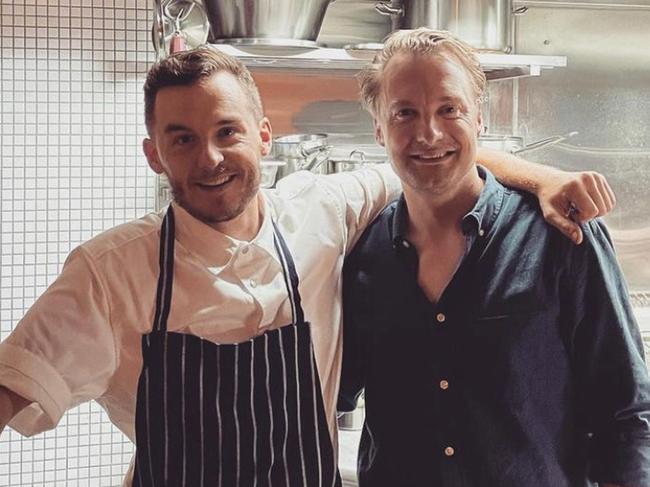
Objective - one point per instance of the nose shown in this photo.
(429, 131)
(211, 156)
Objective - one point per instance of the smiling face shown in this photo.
(428, 119)
(206, 139)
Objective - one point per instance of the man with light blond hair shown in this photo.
(493, 353)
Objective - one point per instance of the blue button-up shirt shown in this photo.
(528, 371)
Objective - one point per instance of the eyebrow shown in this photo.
(176, 127)
(444, 99)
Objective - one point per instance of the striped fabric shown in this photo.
(245, 414)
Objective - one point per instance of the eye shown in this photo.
(226, 132)
(450, 111)
(183, 139)
(404, 113)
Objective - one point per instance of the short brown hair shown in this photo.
(187, 67)
(419, 41)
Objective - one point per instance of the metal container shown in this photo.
(266, 22)
(351, 421)
(302, 152)
(269, 172)
(484, 24)
(178, 18)
(355, 160)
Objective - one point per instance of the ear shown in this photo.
(266, 134)
(151, 153)
(479, 122)
(379, 136)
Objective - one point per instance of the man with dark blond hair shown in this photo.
(190, 325)
(493, 353)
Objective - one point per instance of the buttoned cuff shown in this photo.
(29, 376)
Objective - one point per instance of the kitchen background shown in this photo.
(71, 124)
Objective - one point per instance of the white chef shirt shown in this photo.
(81, 340)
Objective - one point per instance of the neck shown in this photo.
(247, 224)
(432, 214)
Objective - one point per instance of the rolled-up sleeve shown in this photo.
(611, 373)
(62, 353)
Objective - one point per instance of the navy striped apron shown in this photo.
(244, 414)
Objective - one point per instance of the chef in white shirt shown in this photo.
(231, 294)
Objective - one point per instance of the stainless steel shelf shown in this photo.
(496, 66)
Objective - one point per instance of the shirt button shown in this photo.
(449, 451)
(444, 385)
(406, 244)
(253, 283)
(440, 318)
(481, 232)
(244, 250)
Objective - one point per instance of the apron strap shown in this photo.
(166, 274)
(290, 275)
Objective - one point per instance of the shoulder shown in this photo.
(519, 215)
(365, 181)
(128, 240)
(376, 239)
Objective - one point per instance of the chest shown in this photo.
(438, 263)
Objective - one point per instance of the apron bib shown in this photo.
(244, 414)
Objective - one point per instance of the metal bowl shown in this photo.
(286, 20)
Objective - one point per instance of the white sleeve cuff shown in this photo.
(29, 376)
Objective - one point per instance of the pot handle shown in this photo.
(358, 154)
(159, 30)
(387, 8)
(538, 144)
(315, 160)
(306, 148)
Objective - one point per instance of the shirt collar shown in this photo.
(215, 249)
(479, 220)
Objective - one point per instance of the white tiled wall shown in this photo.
(71, 76)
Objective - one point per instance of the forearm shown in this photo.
(514, 171)
(10, 405)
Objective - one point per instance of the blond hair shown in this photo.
(419, 41)
(187, 67)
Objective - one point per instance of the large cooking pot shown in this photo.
(484, 24)
(356, 159)
(302, 152)
(266, 22)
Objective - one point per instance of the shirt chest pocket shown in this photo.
(514, 354)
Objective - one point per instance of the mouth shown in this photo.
(216, 183)
(433, 157)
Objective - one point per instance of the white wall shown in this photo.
(71, 76)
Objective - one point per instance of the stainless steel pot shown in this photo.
(484, 24)
(355, 160)
(266, 22)
(269, 172)
(515, 144)
(302, 152)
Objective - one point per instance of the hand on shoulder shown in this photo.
(568, 199)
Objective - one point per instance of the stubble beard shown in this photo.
(225, 212)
